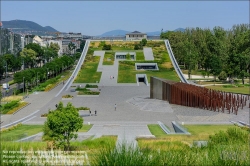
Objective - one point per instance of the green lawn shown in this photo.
(127, 73)
(21, 132)
(85, 128)
(198, 132)
(206, 129)
(88, 73)
(140, 56)
(156, 130)
(242, 90)
(108, 58)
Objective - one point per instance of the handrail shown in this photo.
(174, 62)
(78, 66)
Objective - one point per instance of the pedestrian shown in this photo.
(115, 107)
(56, 105)
(95, 112)
(89, 113)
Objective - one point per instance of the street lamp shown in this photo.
(47, 73)
(23, 85)
(6, 66)
(37, 78)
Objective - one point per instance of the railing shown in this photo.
(164, 128)
(174, 62)
(78, 67)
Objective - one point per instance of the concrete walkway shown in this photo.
(148, 53)
(109, 72)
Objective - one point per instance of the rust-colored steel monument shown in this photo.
(195, 96)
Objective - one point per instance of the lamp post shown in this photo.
(23, 85)
(47, 73)
(37, 78)
(6, 66)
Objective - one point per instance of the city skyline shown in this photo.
(96, 18)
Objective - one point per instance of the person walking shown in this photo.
(115, 107)
(95, 112)
(89, 113)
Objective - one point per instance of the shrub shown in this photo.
(106, 47)
(44, 115)
(19, 106)
(222, 76)
(83, 108)
(67, 96)
(91, 86)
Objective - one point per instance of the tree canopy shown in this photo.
(62, 124)
(213, 50)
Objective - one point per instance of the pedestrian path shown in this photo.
(148, 53)
(109, 72)
(37, 102)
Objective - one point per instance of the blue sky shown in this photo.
(97, 17)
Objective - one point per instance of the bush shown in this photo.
(67, 96)
(83, 108)
(91, 86)
(222, 76)
(106, 47)
(10, 105)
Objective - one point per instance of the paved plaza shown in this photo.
(134, 110)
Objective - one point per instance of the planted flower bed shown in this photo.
(12, 107)
(67, 97)
(85, 91)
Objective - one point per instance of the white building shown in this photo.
(136, 35)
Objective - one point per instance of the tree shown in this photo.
(29, 56)
(62, 124)
(106, 47)
(71, 47)
(38, 49)
(136, 47)
(55, 47)
(144, 42)
(215, 65)
(222, 76)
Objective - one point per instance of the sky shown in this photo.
(98, 17)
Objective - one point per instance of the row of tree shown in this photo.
(33, 55)
(217, 51)
(50, 69)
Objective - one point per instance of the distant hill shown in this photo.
(179, 29)
(123, 33)
(23, 26)
(117, 32)
(49, 28)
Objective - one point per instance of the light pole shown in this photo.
(37, 78)
(6, 66)
(23, 86)
(47, 73)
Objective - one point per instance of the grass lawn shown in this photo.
(127, 73)
(85, 128)
(156, 130)
(88, 73)
(21, 132)
(198, 132)
(194, 72)
(242, 90)
(140, 56)
(108, 58)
